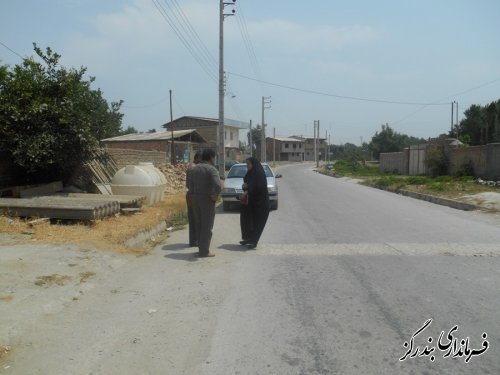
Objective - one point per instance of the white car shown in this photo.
(232, 186)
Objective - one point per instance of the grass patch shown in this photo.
(444, 186)
(348, 167)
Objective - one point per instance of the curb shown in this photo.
(441, 201)
(141, 238)
(436, 200)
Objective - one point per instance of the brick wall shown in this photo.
(124, 157)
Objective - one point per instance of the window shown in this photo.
(286, 145)
(225, 134)
(295, 145)
(300, 145)
(231, 135)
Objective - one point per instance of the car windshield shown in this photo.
(239, 171)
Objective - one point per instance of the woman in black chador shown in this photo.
(255, 204)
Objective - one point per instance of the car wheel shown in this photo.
(226, 206)
(274, 205)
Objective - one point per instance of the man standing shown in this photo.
(205, 185)
(189, 201)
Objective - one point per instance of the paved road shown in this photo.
(343, 277)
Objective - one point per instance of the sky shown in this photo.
(352, 65)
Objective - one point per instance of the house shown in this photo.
(185, 142)
(287, 149)
(322, 147)
(207, 128)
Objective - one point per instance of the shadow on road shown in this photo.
(233, 247)
(175, 246)
(189, 257)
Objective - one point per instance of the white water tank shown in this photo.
(161, 176)
(140, 180)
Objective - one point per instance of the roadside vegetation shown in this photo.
(369, 173)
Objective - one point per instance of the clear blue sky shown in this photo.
(399, 51)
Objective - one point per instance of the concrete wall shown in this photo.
(484, 160)
(394, 162)
(416, 162)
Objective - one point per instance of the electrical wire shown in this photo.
(185, 42)
(308, 91)
(192, 35)
(254, 63)
(11, 50)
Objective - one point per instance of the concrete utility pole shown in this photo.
(329, 143)
(316, 136)
(452, 110)
(263, 146)
(250, 139)
(220, 134)
(172, 153)
(274, 147)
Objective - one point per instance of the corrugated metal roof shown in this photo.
(158, 136)
(286, 139)
(227, 121)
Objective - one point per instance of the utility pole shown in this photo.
(266, 101)
(316, 136)
(250, 140)
(329, 143)
(456, 123)
(172, 153)
(274, 147)
(452, 110)
(220, 133)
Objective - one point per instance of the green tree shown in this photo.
(256, 141)
(50, 118)
(388, 140)
(129, 130)
(481, 125)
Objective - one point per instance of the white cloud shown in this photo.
(295, 38)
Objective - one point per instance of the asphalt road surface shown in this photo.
(346, 280)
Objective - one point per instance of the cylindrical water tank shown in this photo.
(163, 180)
(138, 180)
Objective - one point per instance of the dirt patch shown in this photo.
(6, 297)
(54, 279)
(110, 233)
(4, 350)
(84, 276)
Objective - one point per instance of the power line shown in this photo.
(191, 33)
(185, 42)
(11, 50)
(445, 98)
(307, 91)
(242, 26)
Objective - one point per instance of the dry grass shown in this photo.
(6, 297)
(109, 233)
(84, 276)
(54, 279)
(4, 350)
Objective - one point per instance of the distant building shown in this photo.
(287, 149)
(186, 142)
(309, 147)
(207, 127)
